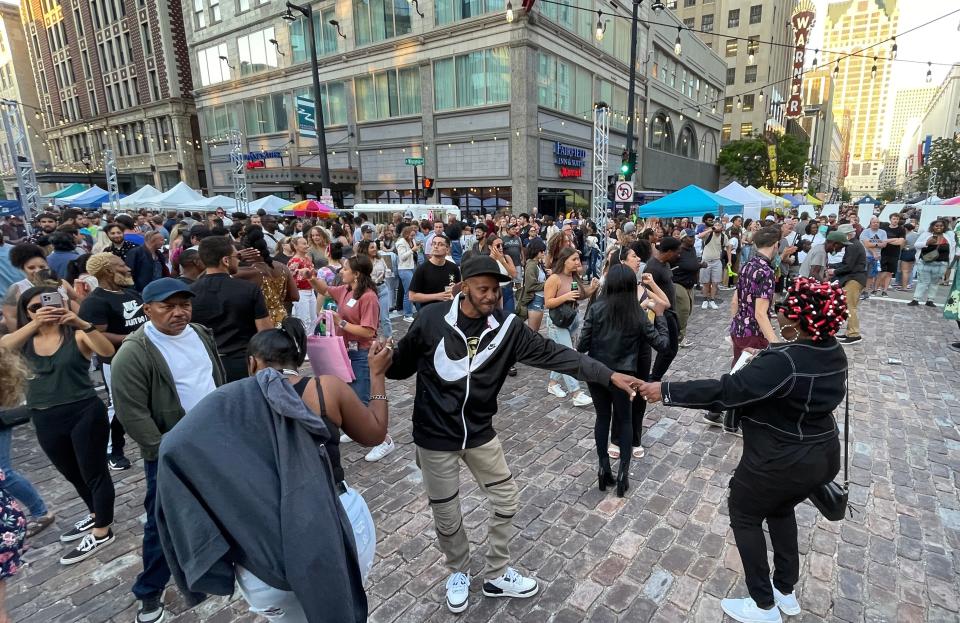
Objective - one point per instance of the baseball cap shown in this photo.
(686, 233)
(770, 217)
(846, 229)
(162, 289)
(368, 229)
(482, 265)
(629, 227)
(408, 214)
(838, 236)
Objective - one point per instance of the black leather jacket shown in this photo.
(616, 349)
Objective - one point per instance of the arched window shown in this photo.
(687, 143)
(661, 133)
(709, 150)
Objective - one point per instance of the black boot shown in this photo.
(605, 474)
(623, 477)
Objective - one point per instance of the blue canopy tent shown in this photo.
(93, 197)
(690, 201)
(868, 199)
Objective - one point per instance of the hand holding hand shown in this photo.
(651, 392)
(380, 356)
(626, 382)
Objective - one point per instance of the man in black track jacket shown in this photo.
(461, 353)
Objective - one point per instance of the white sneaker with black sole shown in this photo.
(511, 584)
(788, 604)
(88, 546)
(746, 611)
(458, 592)
(78, 530)
(150, 610)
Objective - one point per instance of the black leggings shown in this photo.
(74, 438)
(606, 399)
(638, 407)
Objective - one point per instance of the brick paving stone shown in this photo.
(664, 552)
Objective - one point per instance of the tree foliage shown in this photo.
(945, 156)
(747, 161)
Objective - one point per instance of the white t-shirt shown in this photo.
(189, 362)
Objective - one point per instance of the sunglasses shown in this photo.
(34, 308)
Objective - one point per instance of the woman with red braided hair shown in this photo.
(784, 400)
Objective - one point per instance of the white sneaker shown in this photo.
(345, 438)
(705, 305)
(458, 590)
(788, 604)
(581, 399)
(408, 318)
(713, 305)
(378, 452)
(686, 344)
(511, 584)
(746, 611)
(556, 390)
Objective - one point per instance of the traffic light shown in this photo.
(629, 164)
(428, 186)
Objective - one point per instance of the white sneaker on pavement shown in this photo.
(556, 390)
(705, 305)
(746, 611)
(345, 438)
(713, 305)
(788, 604)
(378, 452)
(511, 584)
(581, 399)
(458, 590)
(686, 344)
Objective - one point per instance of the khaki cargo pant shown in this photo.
(441, 479)
(853, 290)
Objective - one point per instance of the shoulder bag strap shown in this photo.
(846, 430)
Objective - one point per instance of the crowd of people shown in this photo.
(201, 326)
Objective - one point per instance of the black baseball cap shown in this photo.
(482, 265)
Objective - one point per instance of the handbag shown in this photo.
(14, 417)
(563, 316)
(328, 353)
(930, 256)
(831, 498)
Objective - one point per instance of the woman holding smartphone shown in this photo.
(68, 416)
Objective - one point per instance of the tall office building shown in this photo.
(16, 83)
(114, 74)
(851, 26)
(908, 104)
(751, 61)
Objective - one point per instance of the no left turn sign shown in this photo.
(624, 192)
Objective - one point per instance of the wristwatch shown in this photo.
(342, 324)
(90, 329)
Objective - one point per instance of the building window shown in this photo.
(728, 105)
(748, 102)
(750, 75)
(689, 3)
(731, 48)
(199, 18)
(214, 11)
(733, 18)
(154, 85)
(146, 38)
(480, 78)
(256, 52)
(731, 75)
(706, 23)
(563, 86)
(334, 99)
(449, 11)
(266, 114)
(688, 22)
(756, 11)
(661, 134)
(725, 133)
(218, 120)
(746, 129)
(77, 21)
(325, 33)
(376, 20)
(687, 143)
(212, 68)
(386, 94)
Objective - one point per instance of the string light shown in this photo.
(893, 48)
(601, 27)
(929, 73)
(751, 58)
(873, 71)
(814, 63)
(836, 71)
(676, 46)
(509, 12)
(761, 95)
(739, 103)
(698, 112)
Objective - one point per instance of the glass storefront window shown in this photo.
(267, 114)
(478, 200)
(480, 78)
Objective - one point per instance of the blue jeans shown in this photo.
(509, 302)
(564, 337)
(361, 370)
(155, 575)
(16, 485)
(384, 295)
(406, 276)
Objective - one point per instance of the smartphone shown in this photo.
(51, 299)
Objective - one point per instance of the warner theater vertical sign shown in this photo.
(802, 21)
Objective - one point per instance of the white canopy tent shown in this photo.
(891, 208)
(931, 200)
(209, 204)
(751, 202)
(180, 196)
(271, 204)
(142, 194)
(419, 210)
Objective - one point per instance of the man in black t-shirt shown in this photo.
(890, 254)
(116, 311)
(433, 281)
(233, 309)
(664, 257)
(686, 269)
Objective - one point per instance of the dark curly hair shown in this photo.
(22, 253)
(819, 308)
(253, 239)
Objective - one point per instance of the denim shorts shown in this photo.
(537, 303)
(873, 266)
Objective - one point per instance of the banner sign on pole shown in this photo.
(306, 117)
(772, 154)
(802, 21)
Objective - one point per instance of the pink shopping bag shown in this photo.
(328, 353)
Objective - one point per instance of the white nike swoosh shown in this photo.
(127, 315)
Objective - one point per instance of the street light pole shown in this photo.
(307, 12)
(631, 101)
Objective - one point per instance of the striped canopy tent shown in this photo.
(310, 207)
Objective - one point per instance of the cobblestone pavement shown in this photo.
(663, 553)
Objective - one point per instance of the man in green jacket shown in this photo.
(160, 372)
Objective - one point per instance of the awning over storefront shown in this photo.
(300, 175)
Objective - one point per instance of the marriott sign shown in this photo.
(802, 21)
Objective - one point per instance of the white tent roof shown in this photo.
(751, 202)
(766, 201)
(271, 204)
(212, 203)
(179, 196)
(931, 200)
(134, 200)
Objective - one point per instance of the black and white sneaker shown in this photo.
(150, 610)
(511, 584)
(851, 340)
(88, 546)
(119, 463)
(78, 530)
(713, 419)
